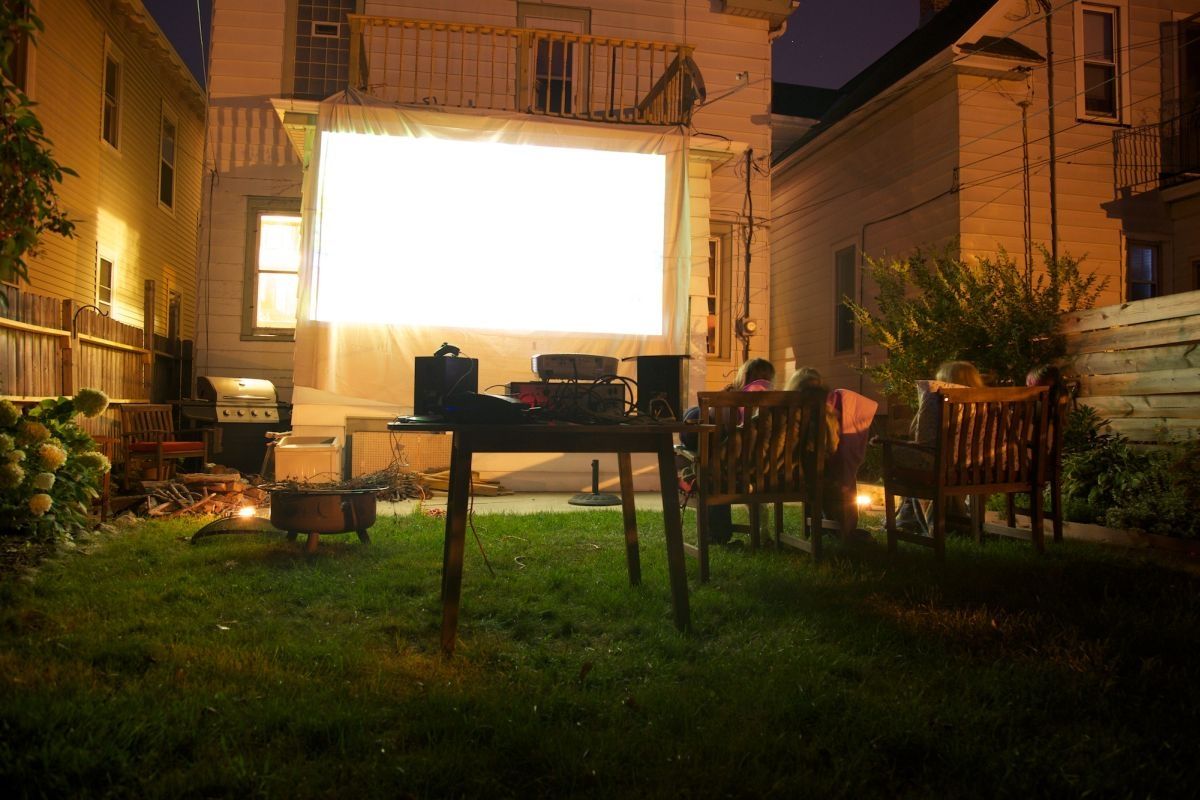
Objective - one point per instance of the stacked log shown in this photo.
(201, 493)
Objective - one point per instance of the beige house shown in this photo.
(124, 113)
(997, 123)
(698, 68)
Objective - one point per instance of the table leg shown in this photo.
(673, 524)
(456, 530)
(632, 556)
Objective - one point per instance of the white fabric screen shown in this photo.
(505, 236)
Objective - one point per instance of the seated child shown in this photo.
(849, 417)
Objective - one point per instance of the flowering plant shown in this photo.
(50, 470)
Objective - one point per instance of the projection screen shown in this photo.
(504, 236)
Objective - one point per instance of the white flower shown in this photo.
(9, 414)
(52, 456)
(90, 402)
(6, 443)
(11, 475)
(15, 456)
(32, 432)
(43, 481)
(96, 460)
(40, 503)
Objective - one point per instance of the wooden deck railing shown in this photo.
(526, 70)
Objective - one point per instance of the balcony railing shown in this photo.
(1158, 156)
(526, 70)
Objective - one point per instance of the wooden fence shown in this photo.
(51, 347)
(1138, 364)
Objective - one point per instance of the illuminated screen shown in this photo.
(435, 232)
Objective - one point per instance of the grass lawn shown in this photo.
(143, 666)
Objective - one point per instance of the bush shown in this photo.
(1108, 481)
(50, 470)
(935, 308)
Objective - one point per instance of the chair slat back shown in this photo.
(766, 446)
(992, 437)
(147, 418)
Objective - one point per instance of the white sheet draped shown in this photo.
(374, 361)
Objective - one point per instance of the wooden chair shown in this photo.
(1059, 399)
(989, 441)
(767, 447)
(148, 436)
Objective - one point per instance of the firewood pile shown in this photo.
(392, 483)
(201, 493)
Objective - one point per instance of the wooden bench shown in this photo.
(767, 447)
(989, 441)
(148, 436)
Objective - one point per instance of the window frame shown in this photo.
(104, 255)
(719, 299)
(292, 32)
(549, 17)
(167, 116)
(111, 55)
(839, 309)
(1156, 281)
(257, 207)
(1118, 10)
(20, 66)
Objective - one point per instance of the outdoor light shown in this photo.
(863, 501)
(562, 239)
(246, 511)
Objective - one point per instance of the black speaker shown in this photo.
(439, 376)
(660, 381)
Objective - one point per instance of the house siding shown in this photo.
(249, 155)
(977, 108)
(848, 178)
(114, 199)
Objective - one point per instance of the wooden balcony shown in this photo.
(1158, 156)
(523, 70)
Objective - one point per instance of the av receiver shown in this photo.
(573, 366)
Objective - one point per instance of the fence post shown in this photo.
(70, 369)
(149, 304)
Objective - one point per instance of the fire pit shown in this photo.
(318, 511)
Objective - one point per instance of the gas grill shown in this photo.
(242, 411)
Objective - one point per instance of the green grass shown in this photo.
(148, 667)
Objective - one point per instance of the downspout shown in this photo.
(745, 332)
(1045, 5)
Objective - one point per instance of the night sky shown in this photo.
(827, 41)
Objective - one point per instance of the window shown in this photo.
(1142, 270)
(720, 269)
(843, 288)
(104, 283)
(272, 268)
(1098, 46)
(320, 52)
(110, 122)
(166, 163)
(16, 66)
(556, 63)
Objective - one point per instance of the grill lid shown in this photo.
(236, 391)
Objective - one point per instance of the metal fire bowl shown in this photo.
(322, 510)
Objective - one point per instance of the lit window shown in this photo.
(717, 338)
(166, 164)
(111, 115)
(272, 267)
(1100, 61)
(843, 289)
(104, 283)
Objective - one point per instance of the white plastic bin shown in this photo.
(315, 459)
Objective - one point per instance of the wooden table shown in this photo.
(560, 438)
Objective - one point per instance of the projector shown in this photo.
(573, 366)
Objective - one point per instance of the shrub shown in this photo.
(934, 308)
(50, 470)
(1108, 481)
